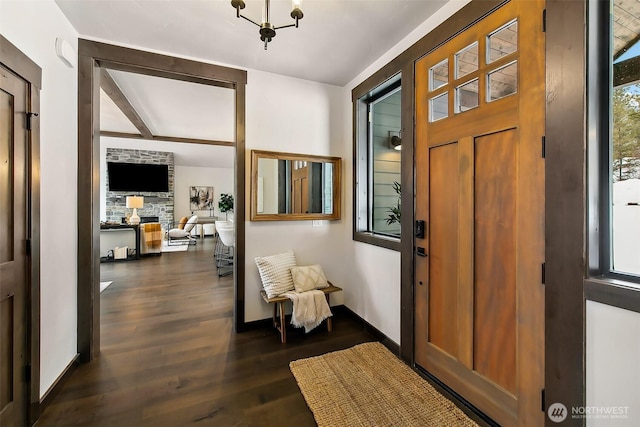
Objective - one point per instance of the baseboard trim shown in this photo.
(338, 310)
(380, 336)
(54, 389)
(256, 324)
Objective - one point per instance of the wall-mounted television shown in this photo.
(138, 177)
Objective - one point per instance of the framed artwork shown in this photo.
(200, 198)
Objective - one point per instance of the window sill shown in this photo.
(614, 292)
(392, 243)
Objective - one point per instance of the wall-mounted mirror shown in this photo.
(287, 186)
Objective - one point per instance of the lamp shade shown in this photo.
(135, 201)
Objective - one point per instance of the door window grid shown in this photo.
(467, 96)
(467, 60)
(439, 74)
(502, 42)
(501, 80)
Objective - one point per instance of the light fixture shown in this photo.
(395, 140)
(267, 30)
(135, 202)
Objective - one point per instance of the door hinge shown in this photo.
(27, 246)
(370, 117)
(544, 147)
(544, 20)
(27, 373)
(29, 115)
(544, 273)
(543, 405)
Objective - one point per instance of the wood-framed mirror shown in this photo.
(287, 186)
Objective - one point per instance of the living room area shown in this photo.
(163, 192)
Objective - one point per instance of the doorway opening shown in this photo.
(94, 57)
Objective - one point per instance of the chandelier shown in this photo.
(267, 30)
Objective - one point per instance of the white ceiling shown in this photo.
(177, 109)
(336, 40)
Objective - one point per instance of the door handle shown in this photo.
(419, 230)
(420, 252)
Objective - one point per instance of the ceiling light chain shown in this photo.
(267, 30)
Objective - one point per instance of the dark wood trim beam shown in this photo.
(407, 301)
(626, 72)
(240, 208)
(88, 218)
(565, 205)
(613, 292)
(106, 54)
(377, 240)
(93, 55)
(19, 63)
(163, 74)
(33, 302)
(114, 92)
(166, 138)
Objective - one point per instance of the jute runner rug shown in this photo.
(367, 385)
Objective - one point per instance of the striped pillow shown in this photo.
(275, 272)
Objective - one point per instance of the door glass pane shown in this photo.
(502, 82)
(467, 96)
(625, 142)
(467, 60)
(439, 107)
(502, 42)
(6, 174)
(439, 75)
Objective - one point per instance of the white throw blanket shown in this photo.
(309, 308)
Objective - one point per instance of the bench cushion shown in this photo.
(275, 272)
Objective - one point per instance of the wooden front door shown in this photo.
(300, 187)
(13, 258)
(480, 104)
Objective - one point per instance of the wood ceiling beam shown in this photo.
(166, 138)
(128, 68)
(113, 91)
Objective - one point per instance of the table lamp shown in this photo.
(135, 202)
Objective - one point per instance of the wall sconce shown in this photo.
(395, 140)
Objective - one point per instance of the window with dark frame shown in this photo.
(622, 156)
(377, 199)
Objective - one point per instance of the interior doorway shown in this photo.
(93, 57)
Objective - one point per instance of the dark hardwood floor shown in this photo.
(169, 355)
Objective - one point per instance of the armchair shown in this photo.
(182, 234)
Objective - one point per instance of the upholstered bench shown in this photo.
(278, 310)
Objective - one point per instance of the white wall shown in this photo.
(33, 26)
(374, 272)
(283, 114)
(613, 371)
(295, 116)
(221, 179)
